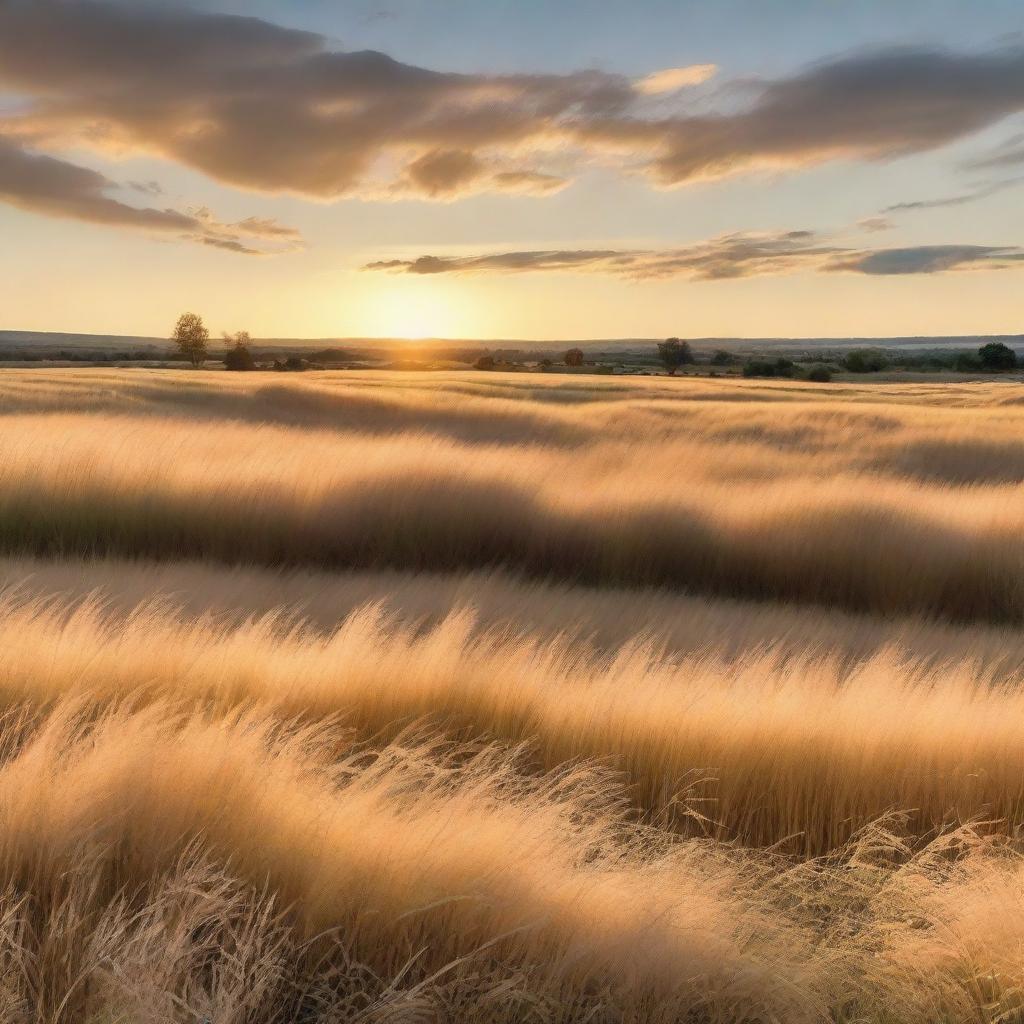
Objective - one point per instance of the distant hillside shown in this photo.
(50, 344)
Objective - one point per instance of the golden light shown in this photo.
(416, 308)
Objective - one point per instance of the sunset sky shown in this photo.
(513, 168)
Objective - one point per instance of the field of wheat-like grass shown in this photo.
(495, 698)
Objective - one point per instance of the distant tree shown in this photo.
(546, 364)
(780, 367)
(238, 356)
(721, 358)
(191, 336)
(997, 356)
(674, 353)
(966, 362)
(484, 363)
(574, 357)
(865, 360)
(819, 374)
(295, 363)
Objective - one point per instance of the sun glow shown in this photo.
(417, 309)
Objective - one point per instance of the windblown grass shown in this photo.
(601, 619)
(159, 867)
(770, 748)
(492, 698)
(763, 499)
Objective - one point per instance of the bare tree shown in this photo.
(191, 336)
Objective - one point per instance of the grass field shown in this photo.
(498, 698)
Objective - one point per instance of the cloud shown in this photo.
(1009, 154)
(444, 172)
(728, 256)
(1007, 158)
(511, 262)
(725, 257)
(261, 107)
(43, 184)
(149, 188)
(672, 79)
(264, 227)
(958, 200)
(929, 259)
(869, 106)
(531, 183)
(875, 224)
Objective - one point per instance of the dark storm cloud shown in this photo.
(44, 184)
(722, 258)
(259, 106)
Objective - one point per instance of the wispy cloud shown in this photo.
(44, 184)
(673, 79)
(725, 257)
(1009, 154)
(960, 199)
(875, 224)
(929, 259)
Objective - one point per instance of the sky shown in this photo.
(513, 168)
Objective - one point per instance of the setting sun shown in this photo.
(414, 308)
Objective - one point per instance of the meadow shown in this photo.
(502, 697)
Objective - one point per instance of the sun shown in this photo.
(416, 309)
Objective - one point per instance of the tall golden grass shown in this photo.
(160, 866)
(640, 508)
(601, 619)
(769, 748)
(479, 697)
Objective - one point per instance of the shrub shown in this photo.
(780, 367)
(574, 357)
(239, 358)
(865, 360)
(819, 374)
(484, 363)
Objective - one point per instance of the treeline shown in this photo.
(993, 357)
(675, 354)
(78, 355)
